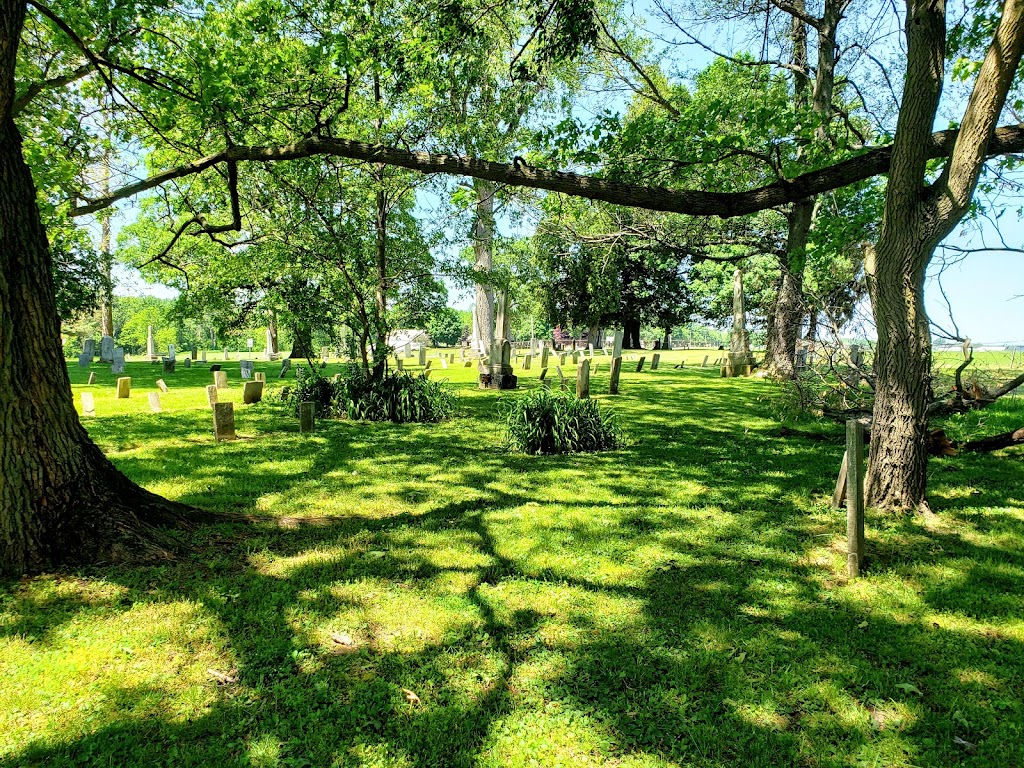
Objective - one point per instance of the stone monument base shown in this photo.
(738, 365)
(498, 381)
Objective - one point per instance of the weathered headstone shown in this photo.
(583, 379)
(617, 344)
(655, 359)
(640, 365)
(211, 394)
(188, 362)
(169, 365)
(162, 385)
(261, 376)
(575, 358)
(286, 365)
(561, 377)
(613, 386)
(171, 353)
(561, 358)
(544, 354)
(107, 349)
(92, 377)
(88, 404)
(220, 378)
(498, 373)
(307, 417)
(124, 387)
(118, 365)
(84, 360)
(527, 361)
(89, 349)
(202, 356)
(590, 348)
(399, 364)
(426, 367)
(705, 363)
(444, 363)
(223, 421)
(246, 367)
(423, 355)
(544, 378)
(252, 392)
(154, 402)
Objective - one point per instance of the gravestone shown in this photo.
(444, 363)
(84, 360)
(162, 385)
(502, 319)
(705, 363)
(544, 378)
(307, 417)
(575, 358)
(124, 387)
(188, 362)
(286, 365)
(252, 392)
(118, 365)
(613, 386)
(154, 402)
(640, 365)
(590, 348)
(561, 358)
(226, 357)
(89, 349)
(583, 379)
(426, 368)
(400, 363)
(215, 367)
(202, 356)
(220, 379)
(92, 377)
(451, 358)
(655, 359)
(88, 404)
(107, 349)
(246, 367)
(211, 394)
(561, 377)
(261, 376)
(223, 421)
(527, 362)
(171, 353)
(169, 365)
(617, 344)
(544, 354)
(801, 359)
(856, 356)
(498, 373)
(193, 355)
(423, 356)
(739, 362)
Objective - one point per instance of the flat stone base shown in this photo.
(498, 381)
(738, 365)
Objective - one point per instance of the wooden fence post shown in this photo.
(854, 497)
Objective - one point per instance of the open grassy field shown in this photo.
(681, 601)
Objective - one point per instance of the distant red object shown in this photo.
(561, 338)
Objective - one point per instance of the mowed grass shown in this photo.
(681, 601)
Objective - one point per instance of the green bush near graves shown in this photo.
(398, 397)
(542, 422)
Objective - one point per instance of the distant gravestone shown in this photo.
(188, 362)
(211, 394)
(544, 353)
(561, 376)
(575, 358)
(260, 376)
(226, 357)
(444, 363)
(92, 377)
(220, 379)
(246, 367)
(89, 349)
(84, 360)
(202, 356)
(400, 363)
(583, 379)
(562, 358)
(154, 402)
(286, 365)
(613, 386)
(640, 365)
(590, 348)
(124, 387)
(527, 361)
(252, 392)
(118, 365)
(655, 359)
(169, 365)
(423, 355)
(215, 367)
(171, 353)
(223, 421)
(617, 344)
(307, 417)
(192, 356)
(705, 363)
(162, 385)
(107, 349)
(88, 404)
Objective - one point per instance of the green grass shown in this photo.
(680, 601)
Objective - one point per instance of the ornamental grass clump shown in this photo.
(542, 422)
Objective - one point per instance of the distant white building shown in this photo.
(414, 337)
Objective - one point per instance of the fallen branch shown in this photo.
(995, 442)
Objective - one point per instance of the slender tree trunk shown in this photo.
(788, 311)
(61, 501)
(380, 313)
(272, 327)
(483, 244)
(812, 325)
(106, 260)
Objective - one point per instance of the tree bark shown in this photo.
(631, 334)
(483, 244)
(61, 501)
(788, 311)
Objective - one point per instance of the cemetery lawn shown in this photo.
(414, 595)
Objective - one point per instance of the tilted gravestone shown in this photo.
(544, 353)
(92, 377)
(613, 386)
(527, 361)
(220, 378)
(427, 367)
(583, 379)
(252, 392)
(118, 365)
(561, 376)
(655, 359)
(423, 355)
(640, 365)
(162, 385)
(211, 394)
(617, 344)
(286, 365)
(705, 363)
(154, 402)
(307, 417)
(399, 364)
(107, 349)
(88, 404)
(124, 387)
(544, 378)
(89, 349)
(223, 421)
(246, 367)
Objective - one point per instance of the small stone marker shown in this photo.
(188, 362)
(400, 363)
(561, 358)
(583, 379)
(705, 363)
(444, 363)
(544, 378)
(655, 359)
(307, 417)
(226, 358)
(286, 365)
(561, 376)
(88, 404)
(84, 360)
(223, 421)
(252, 392)
(854, 497)
(220, 379)
(544, 352)
(118, 365)
(427, 366)
(246, 367)
(527, 361)
(162, 385)
(640, 365)
(613, 386)
(171, 353)
(169, 365)
(154, 402)
(124, 387)
(211, 394)
(92, 377)
(423, 355)
(261, 376)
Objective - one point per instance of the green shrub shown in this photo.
(313, 387)
(548, 423)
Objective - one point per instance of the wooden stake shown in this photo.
(854, 497)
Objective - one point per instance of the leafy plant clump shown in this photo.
(397, 397)
(542, 422)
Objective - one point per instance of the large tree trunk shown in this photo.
(631, 334)
(61, 501)
(483, 244)
(788, 311)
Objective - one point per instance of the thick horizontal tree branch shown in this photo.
(873, 162)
